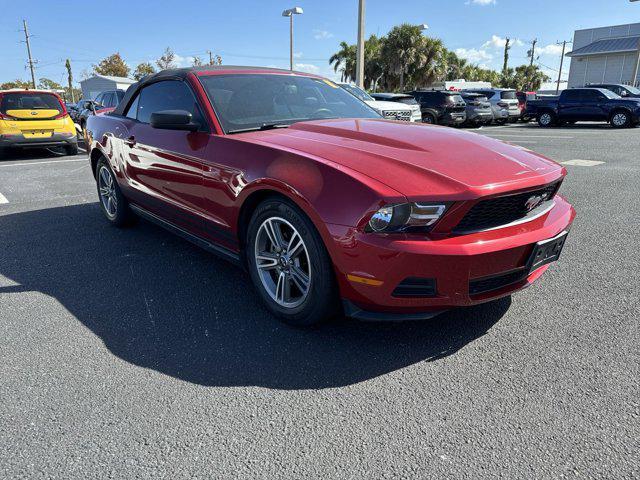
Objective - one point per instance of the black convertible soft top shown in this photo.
(180, 74)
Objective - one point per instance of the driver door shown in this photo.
(164, 167)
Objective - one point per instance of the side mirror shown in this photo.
(173, 120)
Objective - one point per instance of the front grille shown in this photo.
(502, 210)
(404, 115)
(415, 287)
(488, 284)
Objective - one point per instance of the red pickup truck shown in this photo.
(331, 208)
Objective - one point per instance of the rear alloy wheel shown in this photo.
(289, 264)
(620, 120)
(546, 119)
(113, 204)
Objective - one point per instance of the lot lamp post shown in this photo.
(290, 13)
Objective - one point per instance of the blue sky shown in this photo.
(253, 32)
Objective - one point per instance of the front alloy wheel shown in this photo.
(620, 120)
(282, 261)
(289, 264)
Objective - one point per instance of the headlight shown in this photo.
(406, 217)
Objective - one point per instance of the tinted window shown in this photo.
(486, 93)
(591, 96)
(29, 101)
(99, 99)
(571, 96)
(107, 100)
(249, 101)
(509, 95)
(119, 95)
(167, 95)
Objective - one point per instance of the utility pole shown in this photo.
(210, 57)
(532, 52)
(67, 64)
(564, 46)
(360, 46)
(31, 61)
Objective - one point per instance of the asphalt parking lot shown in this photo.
(133, 354)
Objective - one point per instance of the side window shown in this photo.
(591, 96)
(107, 101)
(571, 95)
(132, 111)
(99, 99)
(167, 95)
(119, 96)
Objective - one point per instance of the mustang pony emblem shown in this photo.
(534, 201)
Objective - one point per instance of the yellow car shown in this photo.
(34, 118)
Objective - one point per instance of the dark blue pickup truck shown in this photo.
(585, 104)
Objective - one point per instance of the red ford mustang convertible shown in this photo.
(330, 208)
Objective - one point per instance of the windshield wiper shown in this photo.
(264, 126)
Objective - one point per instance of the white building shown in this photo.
(605, 55)
(92, 86)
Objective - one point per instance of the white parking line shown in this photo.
(526, 135)
(3, 199)
(43, 163)
(582, 163)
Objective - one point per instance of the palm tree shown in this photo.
(400, 50)
(430, 64)
(455, 65)
(344, 60)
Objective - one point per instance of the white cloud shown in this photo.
(551, 49)
(297, 55)
(322, 34)
(474, 55)
(482, 2)
(306, 67)
(181, 61)
(499, 42)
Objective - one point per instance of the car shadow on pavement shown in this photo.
(160, 303)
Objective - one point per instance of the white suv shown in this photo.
(389, 110)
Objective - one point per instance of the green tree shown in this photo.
(196, 62)
(113, 65)
(455, 66)
(47, 84)
(142, 70)
(17, 83)
(167, 60)
(344, 61)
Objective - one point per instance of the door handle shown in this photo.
(131, 141)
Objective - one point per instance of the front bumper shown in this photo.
(455, 264)
(20, 141)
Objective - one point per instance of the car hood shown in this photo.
(380, 105)
(419, 161)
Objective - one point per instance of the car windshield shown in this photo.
(633, 90)
(358, 93)
(29, 101)
(609, 93)
(246, 102)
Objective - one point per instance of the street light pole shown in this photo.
(290, 13)
(360, 47)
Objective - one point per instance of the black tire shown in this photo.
(546, 119)
(620, 119)
(121, 215)
(71, 149)
(429, 118)
(321, 300)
